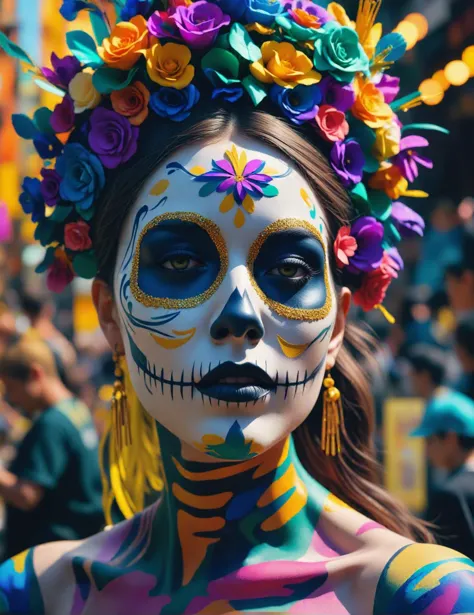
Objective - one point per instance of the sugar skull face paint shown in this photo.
(225, 299)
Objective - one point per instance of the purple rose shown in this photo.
(369, 233)
(161, 24)
(337, 94)
(50, 186)
(199, 23)
(407, 222)
(63, 117)
(112, 137)
(64, 69)
(348, 161)
(390, 87)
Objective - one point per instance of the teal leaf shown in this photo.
(235, 436)
(99, 26)
(24, 126)
(433, 127)
(108, 80)
(371, 164)
(396, 42)
(241, 42)
(49, 87)
(41, 119)
(222, 41)
(83, 47)
(60, 213)
(85, 265)
(392, 236)
(44, 232)
(360, 198)
(47, 261)
(270, 191)
(208, 188)
(221, 61)
(86, 214)
(396, 105)
(380, 204)
(255, 89)
(13, 50)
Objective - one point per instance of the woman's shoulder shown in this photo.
(426, 579)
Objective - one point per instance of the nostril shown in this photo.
(253, 335)
(221, 333)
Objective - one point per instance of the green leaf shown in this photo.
(222, 41)
(241, 42)
(49, 87)
(41, 119)
(83, 47)
(86, 214)
(85, 265)
(221, 61)
(270, 191)
(47, 261)
(60, 213)
(44, 232)
(256, 90)
(99, 26)
(433, 127)
(13, 50)
(24, 126)
(380, 204)
(108, 80)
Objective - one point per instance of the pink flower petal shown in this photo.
(225, 165)
(252, 166)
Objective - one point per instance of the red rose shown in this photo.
(345, 246)
(373, 289)
(132, 102)
(76, 236)
(332, 123)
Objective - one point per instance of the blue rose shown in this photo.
(299, 104)
(174, 104)
(31, 198)
(133, 8)
(82, 176)
(47, 146)
(262, 11)
(71, 8)
(234, 8)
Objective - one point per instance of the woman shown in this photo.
(225, 250)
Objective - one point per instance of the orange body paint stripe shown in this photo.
(201, 502)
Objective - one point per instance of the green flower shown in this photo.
(338, 51)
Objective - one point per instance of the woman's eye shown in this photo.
(290, 270)
(180, 263)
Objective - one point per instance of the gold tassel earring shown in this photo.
(120, 409)
(332, 418)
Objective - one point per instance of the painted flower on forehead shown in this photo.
(337, 94)
(60, 273)
(31, 198)
(332, 123)
(299, 104)
(124, 47)
(302, 19)
(370, 105)
(407, 222)
(338, 51)
(162, 25)
(82, 176)
(50, 186)
(63, 117)
(132, 102)
(64, 69)
(199, 24)
(368, 233)
(282, 64)
(169, 65)
(263, 12)
(345, 246)
(175, 104)
(112, 137)
(348, 161)
(409, 158)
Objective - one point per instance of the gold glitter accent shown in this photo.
(281, 309)
(173, 304)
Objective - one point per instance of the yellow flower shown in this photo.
(370, 105)
(340, 15)
(168, 65)
(83, 92)
(387, 141)
(390, 180)
(123, 48)
(281, 63)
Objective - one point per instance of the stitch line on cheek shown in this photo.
(165, 302)
(279, 308)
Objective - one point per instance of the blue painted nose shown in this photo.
(238, 319)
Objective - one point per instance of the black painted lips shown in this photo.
(228, 369)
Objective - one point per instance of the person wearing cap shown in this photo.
(448, 428)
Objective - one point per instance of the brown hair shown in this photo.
(354, 476)
(20, 357)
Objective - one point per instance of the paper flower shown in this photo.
(338, 51)
(368, 233)
(387, 141)
(59, 274)
(392, 262)
(408, 159)
(47, 146)
(132, 102)
(175, 104)
(70, 8)
(337, 94)
(199, 24)
(281, 63)
(347, 160)
(63, 117)
(299, 104)
(302, 19)
(407, 222)
(123, 48)
(168, 65)
(263, 12)
(222, 68)
(332, 123)
(345, 246)
(112, 137)
(133, 8)
(373, 289)
(389, 86)
(162, 25)
(64, 69)
(50, 186)
(370, 105)
(82, 176)
(76, 236)
(234, 8)
(31, 198)
(83, 92)
(389, 178)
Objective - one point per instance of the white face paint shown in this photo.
(225, 298)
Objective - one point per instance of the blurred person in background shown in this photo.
(464, 347)
(448, 429)
(460, 277)
(53, 489)
(427, 370)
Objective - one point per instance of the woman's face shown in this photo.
(224, 298)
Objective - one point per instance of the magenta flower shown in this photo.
(112, 137)
(337, 94)
(162, 25)
(390, 87)
(199, 23)
(408, 159)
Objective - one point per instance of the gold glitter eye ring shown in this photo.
(179, 304)
(279, 308)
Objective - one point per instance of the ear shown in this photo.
(339, 329)
(107, 312)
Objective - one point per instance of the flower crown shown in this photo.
(315, 65)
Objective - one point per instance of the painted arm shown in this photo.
(426, 580)
(19, 589)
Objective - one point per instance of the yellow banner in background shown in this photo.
(405, 458)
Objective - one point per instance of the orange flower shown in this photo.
(126, 42)
(132, 102)
(281, 63)
(390, 180)
(168, 65)
(370, 105)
